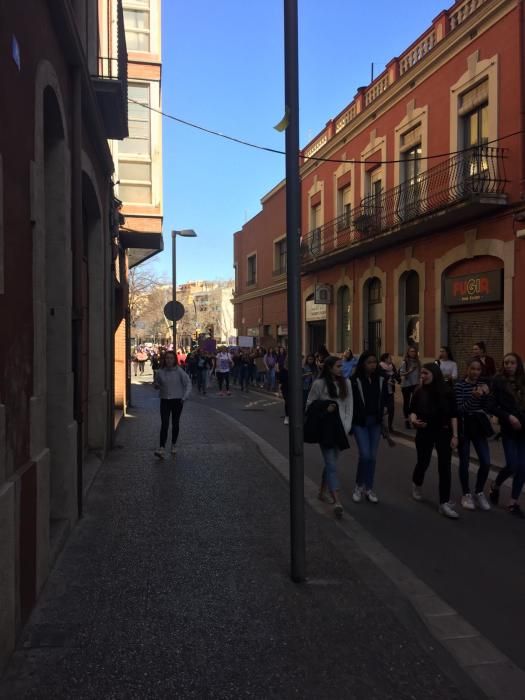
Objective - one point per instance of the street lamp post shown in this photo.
(184, 233)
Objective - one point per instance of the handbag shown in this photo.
(477, 424)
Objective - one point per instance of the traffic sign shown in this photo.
(179, 311)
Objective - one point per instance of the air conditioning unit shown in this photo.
(323, 294)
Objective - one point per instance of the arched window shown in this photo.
(409, 310)
(343, 319)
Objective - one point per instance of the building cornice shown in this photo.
(442, 53)
(256, 293)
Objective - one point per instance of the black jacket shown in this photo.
(324, 427)
(501, 403)
(359, 400)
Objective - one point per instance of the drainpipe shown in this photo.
(78, 252)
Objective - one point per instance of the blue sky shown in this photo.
(223, 69)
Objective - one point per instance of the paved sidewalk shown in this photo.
(175, 585)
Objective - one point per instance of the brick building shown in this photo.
(138, 158)
(412, 229)
(62, 279)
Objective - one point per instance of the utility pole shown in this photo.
(293, 234)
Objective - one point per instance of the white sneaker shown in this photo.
(467, 502)
(286, 420)
(173, 450)
(448, 511)
(160, 452)
(481, 501)
(357, 496)
(417, 495)
(371, 496)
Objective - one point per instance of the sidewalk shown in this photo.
(176, 585)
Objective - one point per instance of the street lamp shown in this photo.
(184, 233)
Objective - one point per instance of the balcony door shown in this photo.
(410, 191)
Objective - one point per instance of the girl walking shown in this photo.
(434, 415)
(175, 387)
(507, 402)
(310, 373)
(447, 364)
(475, 428)
(370, 392)
(487, 363)
(330, 409)
(409, 371)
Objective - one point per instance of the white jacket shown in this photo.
(319, 392)
(173, 383)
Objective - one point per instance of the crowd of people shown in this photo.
(449, 407)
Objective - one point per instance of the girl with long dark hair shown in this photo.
(447, 364)
(471, 398)
(488, 365)
(434, 415)
(409, 371)
(507, 402)
(370, 389)
(310, 373)
(331, 393)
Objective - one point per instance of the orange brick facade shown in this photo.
(387, 270)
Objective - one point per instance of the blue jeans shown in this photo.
(514, 448)
(330, 456)
(482, 450)
(270, 378)
(367, 439)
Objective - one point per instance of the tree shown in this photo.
(142, 282)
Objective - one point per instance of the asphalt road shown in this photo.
(476, 564)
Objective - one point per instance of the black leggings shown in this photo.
(407, 392)
(390, 406)
(223, 377)
(173, 408)
(426, 440)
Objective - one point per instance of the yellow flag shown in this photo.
(283, 124)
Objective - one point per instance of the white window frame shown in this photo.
(124, 157)
(138, 6)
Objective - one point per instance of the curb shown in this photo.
(493, 673)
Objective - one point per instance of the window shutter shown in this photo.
(474, 98)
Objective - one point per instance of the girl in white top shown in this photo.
(447, 365)
(333, 387)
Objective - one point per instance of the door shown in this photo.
(374, 337)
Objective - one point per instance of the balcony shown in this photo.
(111, 83)
(466, 186)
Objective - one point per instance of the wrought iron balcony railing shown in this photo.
(473, 175)
(111, 82)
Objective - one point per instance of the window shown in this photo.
(315, 236)
(135, 152)
(409, 302)
(280, 255)
(343, 319)
(137, 25)
(474, 113)
(344, 208)
(252, 270)
(410, 194)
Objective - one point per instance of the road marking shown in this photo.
(485, 664)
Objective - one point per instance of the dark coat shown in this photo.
(359, 403)
(501, 403)
(324, 427)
